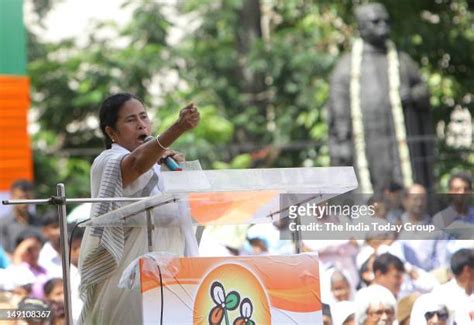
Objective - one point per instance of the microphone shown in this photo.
(172, 164)
(169, 162)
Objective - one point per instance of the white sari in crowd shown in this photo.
(106, 252)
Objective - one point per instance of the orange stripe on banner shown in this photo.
(12, 124)
(291, 282)
(14, 117)
(13, 86)
(13, 174)
(11, 104)
(235, 206)
(14, 135)
(12, 141)
(14, 163)
(15, 152)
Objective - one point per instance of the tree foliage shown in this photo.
(258, 70)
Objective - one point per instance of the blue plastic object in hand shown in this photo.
(169, 162)
(172, 164)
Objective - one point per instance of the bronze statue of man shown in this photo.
(379, 111)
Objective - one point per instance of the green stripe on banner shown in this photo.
(12, 38)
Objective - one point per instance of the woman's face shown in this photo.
(438, 317)
(57, 294)
(132, 127)
(340, 289)
(31, 254)
(378, 314)
(436, 321)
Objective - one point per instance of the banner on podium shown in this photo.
(243, 290)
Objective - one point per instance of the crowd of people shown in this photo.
(408, 278)
(30, 260)
(378, 280)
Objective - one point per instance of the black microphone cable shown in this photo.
(72, 236)
(162, 295)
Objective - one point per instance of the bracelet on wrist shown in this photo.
(159, 143)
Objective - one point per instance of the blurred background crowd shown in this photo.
(381, 279)
(388, 278)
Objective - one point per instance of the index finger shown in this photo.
(191, 106)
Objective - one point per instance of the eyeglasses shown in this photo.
(380, 312)
(442, 314)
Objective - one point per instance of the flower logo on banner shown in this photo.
(228, 294)
(246, 310)
(223, 303)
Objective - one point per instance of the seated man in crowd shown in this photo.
(457, 219)
(392, 199)
(375, 306)
(20, 218)
(459, 188)
(420, 249)
(388, 273)
(458, 215)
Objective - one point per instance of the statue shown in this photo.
(379, 111)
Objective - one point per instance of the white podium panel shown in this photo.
(244, 196)
(229, 290)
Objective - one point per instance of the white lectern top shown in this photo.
(234, 196)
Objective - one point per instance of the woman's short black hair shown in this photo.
(23, 185)
(50, 284)
(383, 262)
(109, 110)
(50, 218)
(28, 233)
(462, 258)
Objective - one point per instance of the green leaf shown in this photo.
(232, 300)
(241, 161)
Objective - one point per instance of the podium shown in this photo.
(245, 196)
(227, 290)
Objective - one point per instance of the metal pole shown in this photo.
(297, 236)
(55, 200)
(61, 193)
(149, 230)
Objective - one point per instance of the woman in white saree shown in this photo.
(128, 167)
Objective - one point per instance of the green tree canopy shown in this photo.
(258, 70)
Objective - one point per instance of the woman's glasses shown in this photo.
(389, 312)
(442, 314)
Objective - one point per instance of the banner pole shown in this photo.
(63, 235)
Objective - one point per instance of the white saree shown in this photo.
(106, 252)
